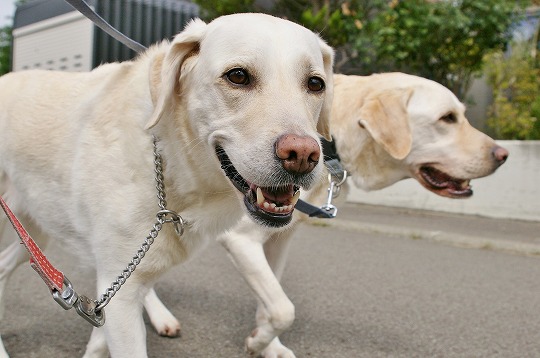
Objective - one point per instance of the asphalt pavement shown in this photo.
(472, 231)
(374, 282)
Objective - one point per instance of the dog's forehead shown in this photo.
(443, 99)
(433, 97)
(260, 35)
(257, 24)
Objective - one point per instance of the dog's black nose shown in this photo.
(298, 154)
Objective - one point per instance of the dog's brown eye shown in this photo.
(238, 76)
(315, 84)
(449, 118)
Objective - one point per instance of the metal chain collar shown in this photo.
(163, 216)
(92, 310)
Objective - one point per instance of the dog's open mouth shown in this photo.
(271, 206)
(443, 184)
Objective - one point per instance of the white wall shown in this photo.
(512, 192)
(64, 43)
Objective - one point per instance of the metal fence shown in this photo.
(145, 21)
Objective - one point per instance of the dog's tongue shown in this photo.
(280, 195)
(440, 179)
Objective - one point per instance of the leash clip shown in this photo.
(329, 207)
(333, 192)
(68, 297)
(85, 307)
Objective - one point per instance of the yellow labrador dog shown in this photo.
(237, 107)
(387, 127)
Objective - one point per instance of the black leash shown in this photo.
(329, 150)
(312, 210)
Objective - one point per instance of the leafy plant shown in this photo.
(442, 40)
(5, 50)
(346, 26)
(5, 44)
(515, 80)
(211, 9)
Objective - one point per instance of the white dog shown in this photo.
(248, 93)
(386, 127)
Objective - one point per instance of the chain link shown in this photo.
(161, 218)
(160, 185)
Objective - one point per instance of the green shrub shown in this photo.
(515, 80)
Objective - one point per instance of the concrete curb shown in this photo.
(457, 240)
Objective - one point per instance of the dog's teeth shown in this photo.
(295, 198)
(266, 205)
(260, 196)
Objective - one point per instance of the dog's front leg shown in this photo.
(245, 246)
(275, 249)
(97, 346)
(162, 319)
(124, 332)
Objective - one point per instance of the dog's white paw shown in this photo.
(275, 349)
(255, 345)
(162, 319)
(3, 353)
(169, 327)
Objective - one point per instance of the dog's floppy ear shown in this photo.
(165, 70)
(323, 125)
(385, 117)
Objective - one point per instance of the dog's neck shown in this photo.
(369, 165)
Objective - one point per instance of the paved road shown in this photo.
(376, 282)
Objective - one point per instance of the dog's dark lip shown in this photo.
(230, 171)
(263, 212)
(443, 184)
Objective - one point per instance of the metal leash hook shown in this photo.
(85, 307)
(329, 207)
(333, 192)
(68, 297)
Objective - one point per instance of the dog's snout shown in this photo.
(500, 154)
(298, 154)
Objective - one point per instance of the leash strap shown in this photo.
(312, 210)
(61, 289)
(329, 149)
(85, 9)
(53, 278)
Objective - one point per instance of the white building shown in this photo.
(50, 34)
